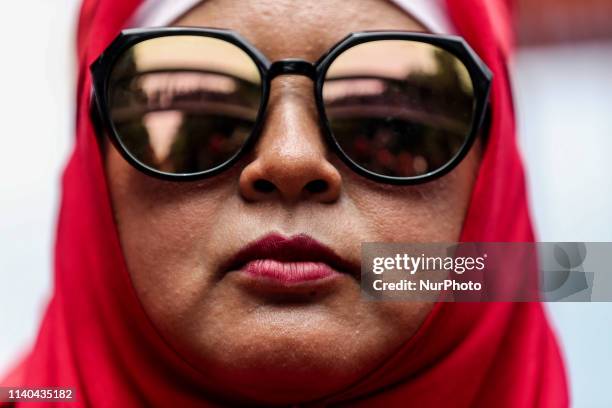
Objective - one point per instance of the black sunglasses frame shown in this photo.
(480, 75)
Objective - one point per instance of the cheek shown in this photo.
(432, 212)
(165, 229)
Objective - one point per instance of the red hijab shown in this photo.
(96, 337)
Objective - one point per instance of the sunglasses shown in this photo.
(186, 103)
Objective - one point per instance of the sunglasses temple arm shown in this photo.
(485, 128)
(97, 122)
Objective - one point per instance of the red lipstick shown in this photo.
(288, 261)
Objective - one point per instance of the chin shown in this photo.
(283, 374)
(274, 359)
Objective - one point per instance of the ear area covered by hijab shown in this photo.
(96, 338)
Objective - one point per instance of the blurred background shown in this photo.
(563, 89)
(562, 76)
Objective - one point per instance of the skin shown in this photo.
(175, 236)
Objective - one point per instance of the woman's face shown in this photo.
(281, 342)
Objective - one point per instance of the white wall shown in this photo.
(564, 99)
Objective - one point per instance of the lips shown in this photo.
(288, 261)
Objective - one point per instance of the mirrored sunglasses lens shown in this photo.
(184, 104)
(399, 108)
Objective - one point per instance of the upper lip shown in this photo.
(297, 248)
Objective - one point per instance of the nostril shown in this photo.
(263, 186)
(316, 186)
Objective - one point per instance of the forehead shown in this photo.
(298, 28)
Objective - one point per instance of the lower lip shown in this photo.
(287, 273)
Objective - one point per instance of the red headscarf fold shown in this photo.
(96, 337)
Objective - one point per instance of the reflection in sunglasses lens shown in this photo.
(399, 108)
(184, 104)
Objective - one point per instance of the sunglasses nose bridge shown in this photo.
(292, 66)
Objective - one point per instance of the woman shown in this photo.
(235, 287)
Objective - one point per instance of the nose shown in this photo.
(290, 160)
